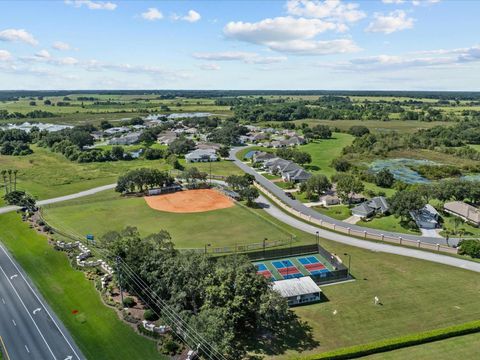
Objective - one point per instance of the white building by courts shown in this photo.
(298, 291)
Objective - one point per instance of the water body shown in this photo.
(175, 116)
(249, 154)
(26, 126)
(400, 168)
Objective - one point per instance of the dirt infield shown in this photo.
(190, 201)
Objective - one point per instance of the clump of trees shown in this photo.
(14, 142)
(143, 179)
(470, 247)
(22, 199)
(347, 186)
(297, 156)
(315, 186)
(181, 146)
(223, 299)
(384, 178)
(358, 130)
(243, 185)
(228, 134)
(194, 177)
(317, 132)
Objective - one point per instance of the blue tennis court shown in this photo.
(261, 267)
(282, 264)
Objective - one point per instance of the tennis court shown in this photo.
(293, 267)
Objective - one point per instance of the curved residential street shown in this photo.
(297, 205)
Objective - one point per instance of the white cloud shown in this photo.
(43, 54)
(291, 35)
(424, 2)
(422, 59)
(60, 45)
(5, 55)
(316, 47)
(20, 35)
(152, 14)
(192, 16)
(210, 67)
(92, 5)
(328, 9)
(393, 1)
(394, 21)
(246, 57)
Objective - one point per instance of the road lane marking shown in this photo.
(13, 276)
(3, 300)
(4, 348)
(28, 312)
(14, 323)
(41, 303)
(26, 348)
(36, 310)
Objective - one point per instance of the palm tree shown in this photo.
(9, 180)
(15, 179)
(4, 175)
(456, 223)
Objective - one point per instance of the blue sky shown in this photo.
(291, 44)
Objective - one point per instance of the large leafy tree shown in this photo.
(317, 184)
(405, 201)
(347, 186)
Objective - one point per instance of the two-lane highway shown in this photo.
(28, 327)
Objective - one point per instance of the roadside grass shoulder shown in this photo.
(387, 223)
(96, 329)
(339, 212)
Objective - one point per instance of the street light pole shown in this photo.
(318, 238)
(349, 261)
(264, 245)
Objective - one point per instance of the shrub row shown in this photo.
(398, 343)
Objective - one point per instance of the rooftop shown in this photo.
(296, 287)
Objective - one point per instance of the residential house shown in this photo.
(294, 141)
(289, 170)
(259, 137)
(377, 205)
(201, 155)
(209, 145)
(464, 211)
(166, 137)
(127, 139)
(426, 217)
(261, 156)
(327, 200)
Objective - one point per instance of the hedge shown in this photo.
(398, 343)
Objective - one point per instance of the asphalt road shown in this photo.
(28, 327)
(365, 244)
(297, 205)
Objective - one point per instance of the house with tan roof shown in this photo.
(464, 211)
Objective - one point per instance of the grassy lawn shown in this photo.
(339, 212)
(387, 223)
(468, 230)
(324, 151)
(416, 295)
(463, 347)
(225, 227)
(45, 174)
(96, 329)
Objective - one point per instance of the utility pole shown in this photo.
(264, 245)
(119, 278)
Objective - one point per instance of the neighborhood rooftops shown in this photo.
(296, 287)
(201, 155)
(465, 211)
(377, 204)
(426, 217)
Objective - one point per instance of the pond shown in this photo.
(400, 168)
(250, 154)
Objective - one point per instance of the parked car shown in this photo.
(290, 195)
(192, 355)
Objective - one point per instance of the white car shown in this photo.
(192, 355)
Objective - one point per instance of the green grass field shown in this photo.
(463, 347)
(387, 223)
(339, 212)
(324, 151)
(46, 174)
(226, 227)
(96, 329)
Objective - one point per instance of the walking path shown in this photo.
(300, 207)
(365, 244)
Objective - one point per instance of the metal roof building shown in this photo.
(298, 290)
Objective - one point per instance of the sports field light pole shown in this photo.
(318, 237)
(264, 245)
(349, 261)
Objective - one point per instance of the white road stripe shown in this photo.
(28, 312)
(26, 348)
(14, 323)
(3, 300)
(41, 303)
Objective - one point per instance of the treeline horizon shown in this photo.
(170, 93)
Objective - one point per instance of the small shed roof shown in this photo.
(296, 286)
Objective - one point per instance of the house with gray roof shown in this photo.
(426, 217)
(201, 155)
(127, 139)
(376, 205)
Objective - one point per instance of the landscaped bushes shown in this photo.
(398, 343)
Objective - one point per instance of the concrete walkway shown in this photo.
(365, 244)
